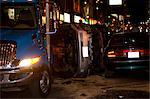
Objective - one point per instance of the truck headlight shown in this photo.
(29, 62)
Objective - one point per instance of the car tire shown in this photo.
(41, 86)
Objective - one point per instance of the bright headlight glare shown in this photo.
(28, 62)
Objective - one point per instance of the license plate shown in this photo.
(133, 55)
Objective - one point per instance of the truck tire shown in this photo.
(41, 86)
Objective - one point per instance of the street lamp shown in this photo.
(97, 8)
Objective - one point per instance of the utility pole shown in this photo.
(48, 29)
(49, 7)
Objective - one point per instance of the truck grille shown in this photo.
(7, 51)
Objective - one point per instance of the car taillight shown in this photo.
(137, 50)
(111, 54)
(124, 53)
(146, 52)
(143, 52)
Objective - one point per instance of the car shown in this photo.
(127, 51)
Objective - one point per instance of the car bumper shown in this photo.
(15, 79)
(128, 65)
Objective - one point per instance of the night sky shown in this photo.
(138, 9)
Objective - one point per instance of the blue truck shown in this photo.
(23, 54)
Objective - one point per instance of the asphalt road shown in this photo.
(121, 86)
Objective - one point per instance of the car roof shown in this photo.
(131, 33)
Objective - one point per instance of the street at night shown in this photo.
(123, 86)
(74, 49)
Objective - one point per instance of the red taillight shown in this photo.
(146, 52)
(124, 53)
(141, 51)
(115, 54)
(137, 50)
(120, 53)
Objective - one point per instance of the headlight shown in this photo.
(29, 62)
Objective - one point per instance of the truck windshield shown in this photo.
(17, 16)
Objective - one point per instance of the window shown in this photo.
(17, 16)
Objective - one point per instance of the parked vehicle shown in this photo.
(127, 51)
(23, 55)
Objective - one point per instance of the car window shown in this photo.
(130, 40)
(117, 41)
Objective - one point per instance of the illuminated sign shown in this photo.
(11, 14)
(67, 17)
(43, 20)
(85, 51)
(121, 17)
(115, 2)
(77, 19)
(92, 21)
(58, 17)
(86, 21)
(61, 17)
(115, 15)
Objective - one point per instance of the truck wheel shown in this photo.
(42, 85)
